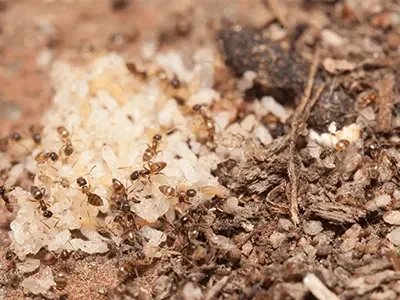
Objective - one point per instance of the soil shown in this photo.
(329, 60)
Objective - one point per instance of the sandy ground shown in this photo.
(35, 33)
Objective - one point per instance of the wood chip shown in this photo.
(337, 213)
(385, 103)
(212, 292)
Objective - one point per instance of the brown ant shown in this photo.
(175, 82)
(134, 175)
(342, 145)
(156, 168)
(61, 279)
(145, 173)
(35, 132)
(174, 192)
(125, 270)
(142, 75)
(151, 151)
(6, 198)
(65, 138)
(120, 196)
(209, 122)
(4, 144)
(38, 195)
(93, 199)
(13, 137)
(43, 157)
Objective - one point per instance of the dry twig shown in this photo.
(278, 11)
(299, 120)
(317, 288)
(212, 292)
(384, 119)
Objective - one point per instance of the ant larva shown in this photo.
(44, 179)
(151, 151)
(93, 199)
(64, 182)
(208, 122)
(38, 195)
(184, 196)
(65, 138)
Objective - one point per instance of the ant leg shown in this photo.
(45, 224)
(58, 220)
(84, 200)
(52, 166)
(73, 165)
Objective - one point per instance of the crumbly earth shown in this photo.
(348, 213)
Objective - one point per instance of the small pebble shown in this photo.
(396, 194)
(382, 200)
(312, 227)
(277, 238)
(394, 236)
(285, 224)
(350, 238)
(392, 217)
(393, 39)
(247, 248)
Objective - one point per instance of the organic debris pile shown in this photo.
(269, 169)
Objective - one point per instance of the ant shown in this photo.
(38, 195)
(93, 199)
(4, 144)
(120, 196)
(151, 151)
(175, 82)
(43, 157)
(65, 138)
(6, 198)
(174, 192)
(342, 145)
(15, 137)
(154, 169)
(35, 132)
(209, 122)
(142, 75)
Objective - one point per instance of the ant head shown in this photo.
(81, 181)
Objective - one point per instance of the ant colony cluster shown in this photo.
(120, 150)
